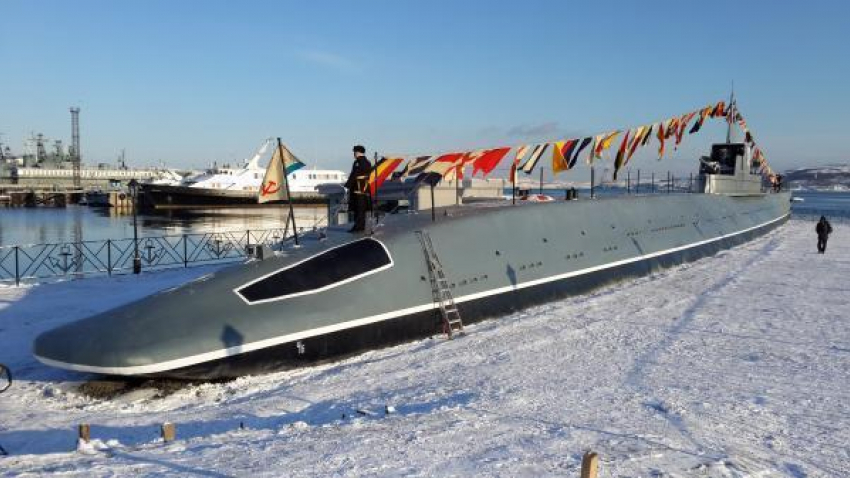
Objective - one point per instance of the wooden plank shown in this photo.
(589, 465)
(169, 432)
(84, 432)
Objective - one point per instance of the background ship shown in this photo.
(57, 168)
(235, 187)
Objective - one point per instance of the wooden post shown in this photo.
(84, 432)
(169, 432)
(589, 465)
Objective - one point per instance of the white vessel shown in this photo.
(228, 186)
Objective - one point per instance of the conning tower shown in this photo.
(730, 170)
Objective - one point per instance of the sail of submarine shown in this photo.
(342, 294)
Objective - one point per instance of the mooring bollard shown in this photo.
(589, 465)
(169, 432)
(84, 432)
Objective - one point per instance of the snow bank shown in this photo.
(736, 365)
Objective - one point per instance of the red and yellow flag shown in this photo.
(637, 139)
(671, 128)
(603, 142)
(618, 163)
(561, 155)
(703, 114)
(719, 110)
(381, 172)
(683, 123)
(661, 135)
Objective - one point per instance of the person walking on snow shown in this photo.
(824, 229)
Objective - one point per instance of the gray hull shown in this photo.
(248, 318)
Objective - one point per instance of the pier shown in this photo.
(12, 196)
(29, 197)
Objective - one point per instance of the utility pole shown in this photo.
(75, 141)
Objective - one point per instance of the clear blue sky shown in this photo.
(189, 82)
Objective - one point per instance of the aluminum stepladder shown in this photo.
(452, 323)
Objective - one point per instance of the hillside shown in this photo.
(833, 178)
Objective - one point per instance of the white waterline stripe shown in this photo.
(261, 344)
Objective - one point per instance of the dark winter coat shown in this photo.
(359, 177)
(824, 229)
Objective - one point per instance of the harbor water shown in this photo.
(40, 225)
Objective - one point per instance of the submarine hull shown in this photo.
(335, 298)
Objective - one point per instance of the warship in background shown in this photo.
(40, 167)
(60, 170)
(235, 186)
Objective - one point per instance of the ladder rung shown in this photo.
(440, 286)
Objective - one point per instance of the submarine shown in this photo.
(338, 294)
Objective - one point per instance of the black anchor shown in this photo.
(65, 252)
(150, 255)
(215, 247)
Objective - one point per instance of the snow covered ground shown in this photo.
(736, 365)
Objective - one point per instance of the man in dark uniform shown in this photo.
(358, 196)
(824, 229)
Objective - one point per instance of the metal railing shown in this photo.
(115, 256)
(814, 214)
